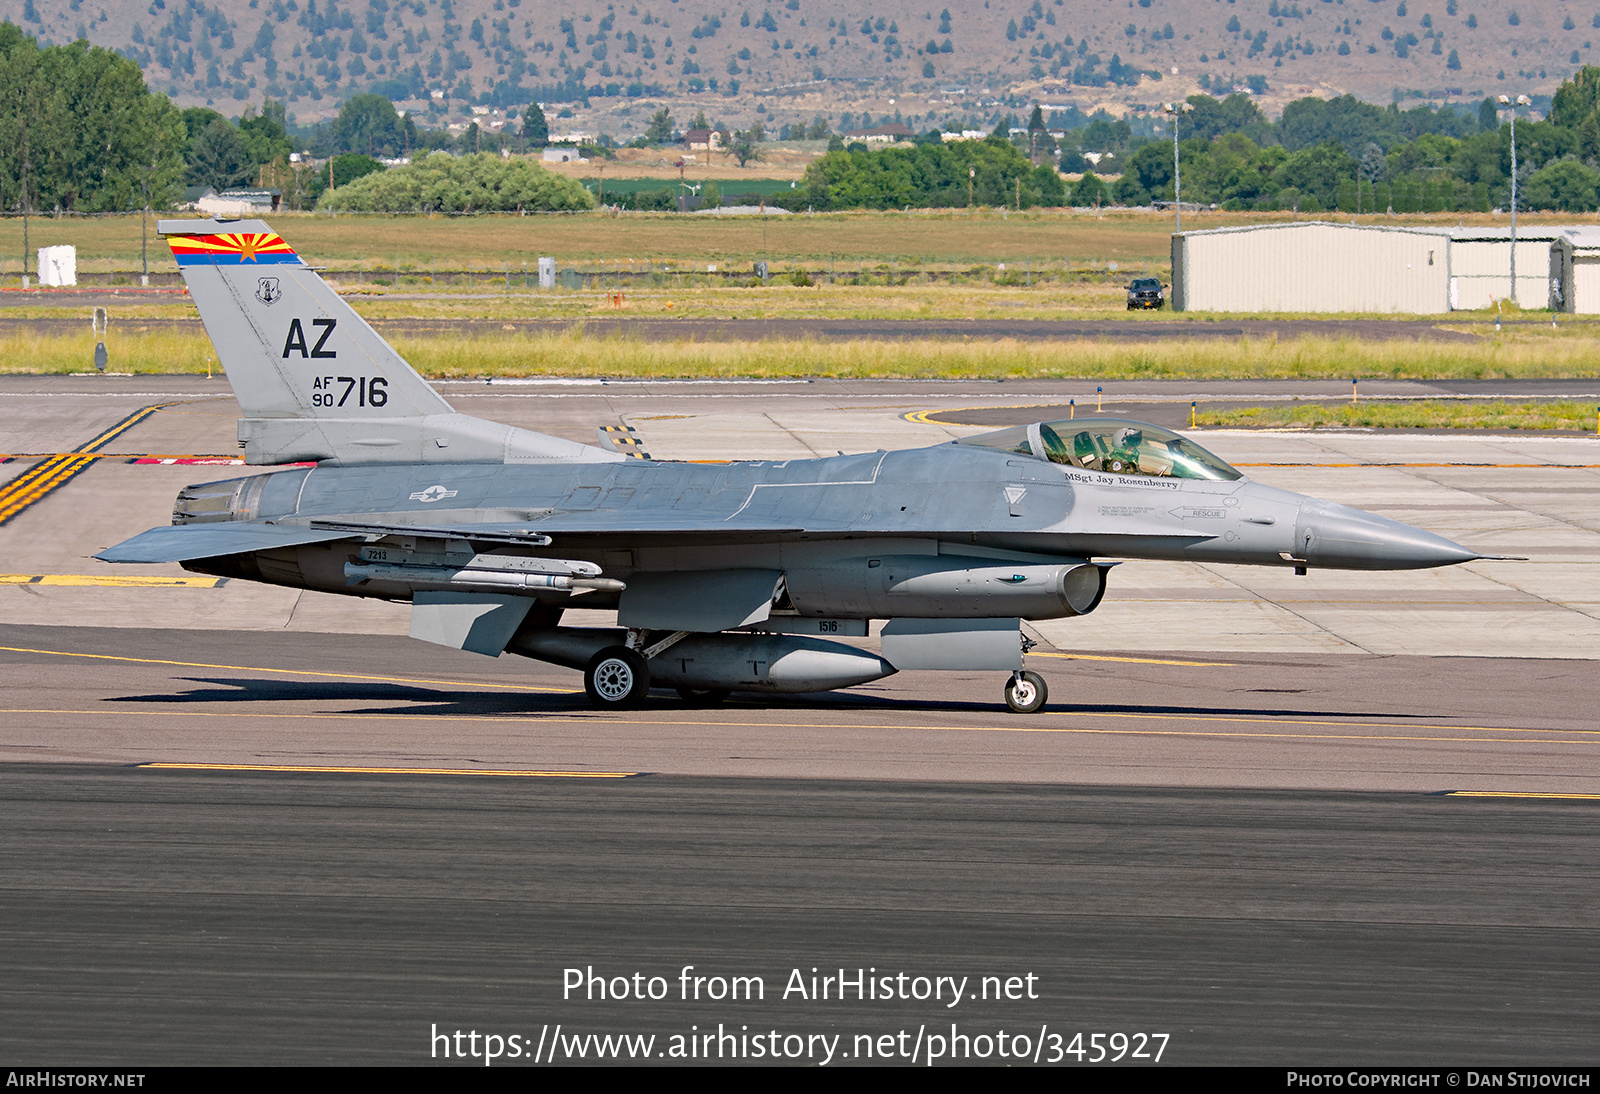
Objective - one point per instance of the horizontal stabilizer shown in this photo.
(182, 542)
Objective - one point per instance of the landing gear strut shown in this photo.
(617, 679)
(1026, 692)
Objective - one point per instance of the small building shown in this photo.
(1574, 272)
(1480, 266)
(880, 134)
(564, 154)
(264, 200)
(1316, 266)
(706, 140)
(235, 203)
(58, 265)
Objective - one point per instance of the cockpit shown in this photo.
(1112, 445)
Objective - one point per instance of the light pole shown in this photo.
(1521, 100)
(1175, 111)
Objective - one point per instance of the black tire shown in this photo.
(703, 697)
(1026, 693)
(617, 679)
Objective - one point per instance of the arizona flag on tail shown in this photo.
(233, 249)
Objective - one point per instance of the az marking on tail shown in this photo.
(297, 339)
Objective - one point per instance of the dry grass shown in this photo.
(1047, 236)
(166, 351)
(1308, 358)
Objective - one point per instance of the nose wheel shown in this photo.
(617, 679)
(1026, 692)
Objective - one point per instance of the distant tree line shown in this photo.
(1349, 155)
(460, 184)
(78, 130)
(81, 132)
(932, 174)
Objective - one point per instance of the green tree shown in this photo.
(1576, 99)
(347, 168)
(264, 135)
(217, 158)
(659, 131)
(1089, 190)
(368, 124)
(472, 183)
(1488, 116)
(743, 145)
(90, 133)
(1567, 185)
(535, 128)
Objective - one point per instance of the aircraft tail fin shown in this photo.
(313, 378)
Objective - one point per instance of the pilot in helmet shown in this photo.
(1125, 445)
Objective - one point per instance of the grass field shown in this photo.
(1518, 354)
(878, 263)
(957, 237)
(1423, 414)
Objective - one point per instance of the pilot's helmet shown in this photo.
(1129, 437)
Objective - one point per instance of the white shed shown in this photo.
(58, 265)
(1575, 271)
(1480, 266)
(1312, 266)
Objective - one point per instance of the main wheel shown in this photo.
(617, 678)
(704, 697)
(1026, 693)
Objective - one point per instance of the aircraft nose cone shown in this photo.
(1340, 537)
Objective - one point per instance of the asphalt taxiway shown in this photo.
(152, 917)
(1345, 818)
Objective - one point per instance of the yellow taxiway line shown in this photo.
(314, 770)
(1138, 660)
(1518, 794)
(1587, 737)
(112, 582)
(43, 479)
(291, 672)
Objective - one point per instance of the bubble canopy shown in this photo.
(1112, 445)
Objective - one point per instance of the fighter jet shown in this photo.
(724, 577)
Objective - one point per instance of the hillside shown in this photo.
(790, 60)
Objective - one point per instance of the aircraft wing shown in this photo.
(181, 542)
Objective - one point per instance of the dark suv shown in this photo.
(1145, 292)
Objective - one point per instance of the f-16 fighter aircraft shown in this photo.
(739, 576)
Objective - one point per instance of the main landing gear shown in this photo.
(1026, 692)
(617, 679)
